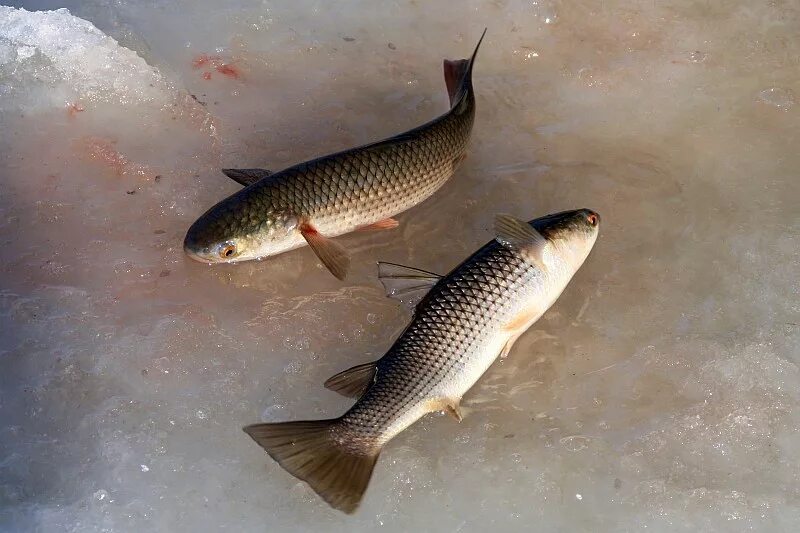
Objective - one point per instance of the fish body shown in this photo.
(465, 321)
(359, 188)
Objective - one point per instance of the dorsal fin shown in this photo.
(458, 74)
(246, 176)
(406, 284)
(353, 382)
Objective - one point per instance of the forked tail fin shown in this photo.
(309, 451)
(458, 75)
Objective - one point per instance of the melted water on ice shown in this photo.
(661, 391)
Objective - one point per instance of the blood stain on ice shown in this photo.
(217, 63)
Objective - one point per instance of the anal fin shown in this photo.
(387, 223)
(332, 254)
(354, 381)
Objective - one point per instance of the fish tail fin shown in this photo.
(311, 452)
(458, 75)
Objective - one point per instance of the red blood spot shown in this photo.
(308, 229)
(216, 63)
(105, 151)
(228, 70)
(74, 109)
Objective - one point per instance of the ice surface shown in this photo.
(661, 392)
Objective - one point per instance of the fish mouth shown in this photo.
(206, 256)
(196, 251)
(592, 216)
(197, 256)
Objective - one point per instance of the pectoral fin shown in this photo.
(332, 254)
(518, 234)
(246, 176)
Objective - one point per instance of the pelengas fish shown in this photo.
(361, 188)
(465, 321)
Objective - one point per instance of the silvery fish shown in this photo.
(463, 323)
(361, 188)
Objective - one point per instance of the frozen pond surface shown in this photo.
(662, 391)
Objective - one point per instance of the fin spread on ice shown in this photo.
(354, 381)
(458, 75)
(246, 176)
(406, 284)
(310, 452)
(332, 254)
(516, 233)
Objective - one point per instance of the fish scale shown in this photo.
(345, 191)
(464, 322)
(477, 297)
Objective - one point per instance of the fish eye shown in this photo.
(593, 219)
(228, 251)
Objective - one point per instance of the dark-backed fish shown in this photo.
(464, 322)
(361, 188)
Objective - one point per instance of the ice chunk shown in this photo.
(58, 47)
(54, 59)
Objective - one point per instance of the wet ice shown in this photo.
(660, 391)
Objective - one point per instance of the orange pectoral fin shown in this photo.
(387, 223)
(332, 254)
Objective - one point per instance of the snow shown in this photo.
(661, 392)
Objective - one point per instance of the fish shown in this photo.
(362, 188)
(463, 322)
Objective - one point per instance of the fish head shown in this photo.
(240, 229)
(572, 233)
